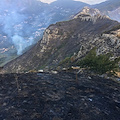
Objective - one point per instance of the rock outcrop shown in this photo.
(68, 38)
(90, 14)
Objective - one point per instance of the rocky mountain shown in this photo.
(73, 38)
(110, 8)
(22, 23)
(90, 13)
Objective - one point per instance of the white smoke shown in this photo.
(22, 43)
(13, 27)
(18, 25)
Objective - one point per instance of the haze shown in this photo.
(86, 1)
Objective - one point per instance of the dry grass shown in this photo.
(32, 71)
(118, 74)
(118, 34)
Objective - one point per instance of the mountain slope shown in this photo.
(66, 39)
(22, 23)
(110, 8)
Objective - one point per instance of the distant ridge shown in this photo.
(110, 8)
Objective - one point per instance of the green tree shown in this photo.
(100, 64)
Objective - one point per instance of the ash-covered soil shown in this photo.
(45, 96)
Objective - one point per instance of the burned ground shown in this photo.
(46, 96)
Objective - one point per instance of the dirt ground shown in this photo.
(46, 96)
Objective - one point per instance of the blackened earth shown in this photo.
(46, 96)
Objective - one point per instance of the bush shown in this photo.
(100, 64)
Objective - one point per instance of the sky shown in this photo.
(47, 1)
(86, 1)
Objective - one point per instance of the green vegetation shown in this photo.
(100, 64)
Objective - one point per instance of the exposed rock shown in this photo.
(90, 14)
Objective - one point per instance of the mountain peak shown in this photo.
(90, 14)
(90, 11)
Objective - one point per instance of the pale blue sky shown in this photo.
(86, 1)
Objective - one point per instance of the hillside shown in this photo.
(46, 96)
(22, 23)
(65, 39)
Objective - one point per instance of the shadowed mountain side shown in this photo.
(65, 39)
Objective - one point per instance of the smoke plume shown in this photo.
(20, 24)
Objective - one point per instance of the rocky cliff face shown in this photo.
(88, 11)
(69, 38)
(90, 14)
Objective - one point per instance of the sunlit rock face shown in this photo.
(90, 11)
(91, 14)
